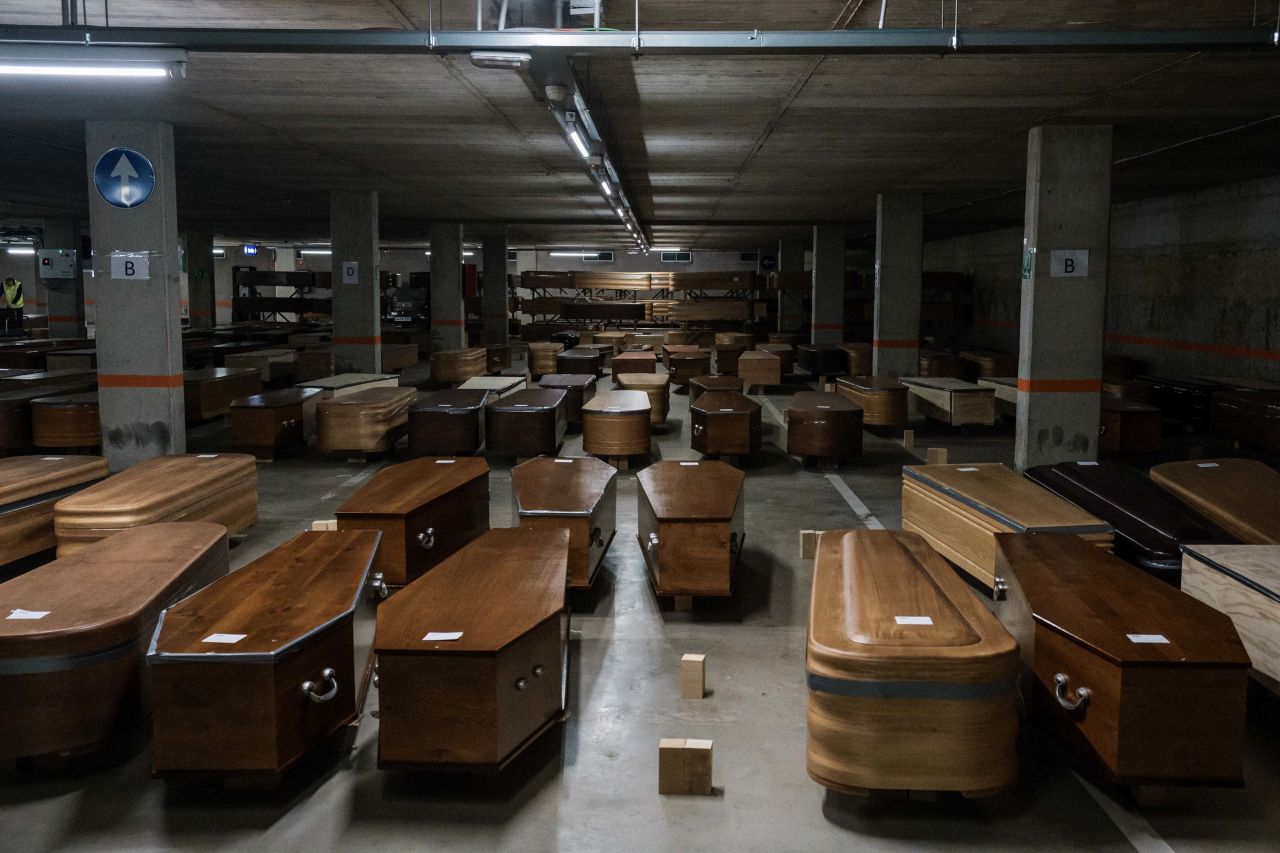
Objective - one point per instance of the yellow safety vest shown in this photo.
(13, 295)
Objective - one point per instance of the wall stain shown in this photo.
(141, 435)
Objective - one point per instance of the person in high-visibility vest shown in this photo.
(12, 293)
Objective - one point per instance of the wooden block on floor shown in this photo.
(325, 524)
(684, 767)
(809, 543)
(936, 456)
(684, 603)
(693, 676)
(908, 439)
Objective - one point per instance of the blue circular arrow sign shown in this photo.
(124, 177)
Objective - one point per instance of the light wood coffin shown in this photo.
(313, 364)
(272, 364)
(1139, 679)
(786, 355)
(1006, 392)
(657, 386)
(988, 363)
(396, 357)
(255, 670)
(859, 354)
(759, 369)
(447, 423)
(209, 392)
(691, 526)
(912, 682)
(634, 362)
(29, 488)
(577, 494)
(1242, 581)
(217, 487)
(74, 633)
(497, 386)
(542, 357)
(331, 387)
(959, 509)
(263, 424)
(459, 365)
(473, 658)
(15, 414)
(367, 422)
(725, 422)
(426, 509)
(1241, 495)
(616, 423)
(952, 401)
(67, 420)
(823, 425)
(883, 399)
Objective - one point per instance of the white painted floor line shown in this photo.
(1134, 826)
(355, 480)
(855, 503)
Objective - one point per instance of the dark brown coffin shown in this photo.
(222, 350)
(822, 359)
(700, 385)
(691, 525)
(727, 356)
(785, 353)
(23, 380)
(580, 360)
(577, 494)
(579, 388)
(526, 424)
(473, 658)
(1129, 427)
(74, 678)
(66, 420)
(725, 422)
(823, 424)
(255, 670)
(1249, 417)
(497, 357)
(668, 350)
(1188, 401)
(1165, 675)
(687, 366)
(941, 364)
(426, 509)
(209, 392)
(29, 487)
(264, 424)
(447, 423)
(1150, 524)
(859, 358)
(984, 364)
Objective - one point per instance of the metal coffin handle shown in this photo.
(597, 536)
(427, 538)
(330, 678)
(378, 586)
(653, 540)
(697, 429)
(1083, 694)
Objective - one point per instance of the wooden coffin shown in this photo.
(447, 423)
(496, 386)
(700, 385)
(581, 360)
(419, 337)
(542, 357)
(690, 525)
(459, 365)
(15, 414)
(23, 380)
(634, 362)
(1188, 401)
(577, 494)
(526, 424)
(1126, 389)
(66, 420)
(1249, 417)
(823, 425)
(1129, 427)
(396, 357)
(1005, 389)
(616, 340)
(222, 351)
(578, 388)
(497, 357)
(473, 658)
(1242, 581)
(1242, 496)
(209, 391)
(984, 364)
(1139, 679)
(74, 634)
(29, 488)
(731, 339)
(333, 387)
(960, 508)
(786, 355)
(314, 339)
(313, 364)
(616, 423)
(727, 356)
(605, 351)
(1242, 383)
(425, 508)
(725, 422)
(1150, 524)
(272, 364)
(940, 364)
(255, 670)
(759, 369)
(822, 359)
(72, 359)
(952, 401)
(883, 399)
(365, 422)
(686, 366)
(217, 487)
(669, 350)
(264, 424)
(793, 339)
(859, 356)
(912, 682)
(656, 385)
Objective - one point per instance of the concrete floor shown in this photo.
(593, 785)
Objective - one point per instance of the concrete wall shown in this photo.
(1192, 289)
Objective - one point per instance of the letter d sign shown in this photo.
(350, 272)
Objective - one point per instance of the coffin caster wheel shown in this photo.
(330, 683)
(427, 538)
(1082, 693)
(597, 537)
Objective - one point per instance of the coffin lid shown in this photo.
(287, 354)
(82, 398)
(106, 594)
(646, 380)
(689, 356)
(1242, 383)
(1008, 382)
(376, 401)
(551, 346)
(1182, 383)
(942, 383)
(715, 402)
(582, 352)
(551, 485)
(530, 398)
(819, 401)
(886, 605)
(1098, 601)
(1256, 567)
(217, 374)
(819, 348)
(636, 355)
(692, 491)
(691, 349)
(491, 383)
(1115, 404)
(494, 590)
(854, 346)
(275, 399)
(403, 488)
(1241, 495)
(276, 602)
(153, 490)
(1259, 401)
(46, 377)
(871, 383)
(23, 478)
(567, 380)
(717, 383)
(1000, 494)
(775, 348)
(25, 396)
(758, 355)
(618, 403)
(345, 380)
(450, 401)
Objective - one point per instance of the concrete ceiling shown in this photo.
(714, 152)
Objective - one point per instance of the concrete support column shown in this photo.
(66, 295)
(448, 310)
(223, 288)
(494, 291)
(139, 330)
(827, 323)
(200, 276)
(791, 314)
(1065, 242)
(357, 310)
(895, 349)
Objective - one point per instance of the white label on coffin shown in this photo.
(1148, 639)
(966, 470)
(1207, 465)
(225, 639)
(913, 620)
(434, 636)
(27, 614)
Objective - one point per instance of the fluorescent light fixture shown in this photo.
(29, 60)
(219, 253)
(577, 254)
(606, 186)
(576, 139)
(464, 254)
(505, 60)
(22, 250)
(316, 252)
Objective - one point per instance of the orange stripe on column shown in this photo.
(223, 303)
(884, 344)
(358, 342)
(447, 322)
(1060, 386)
(138, 380)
